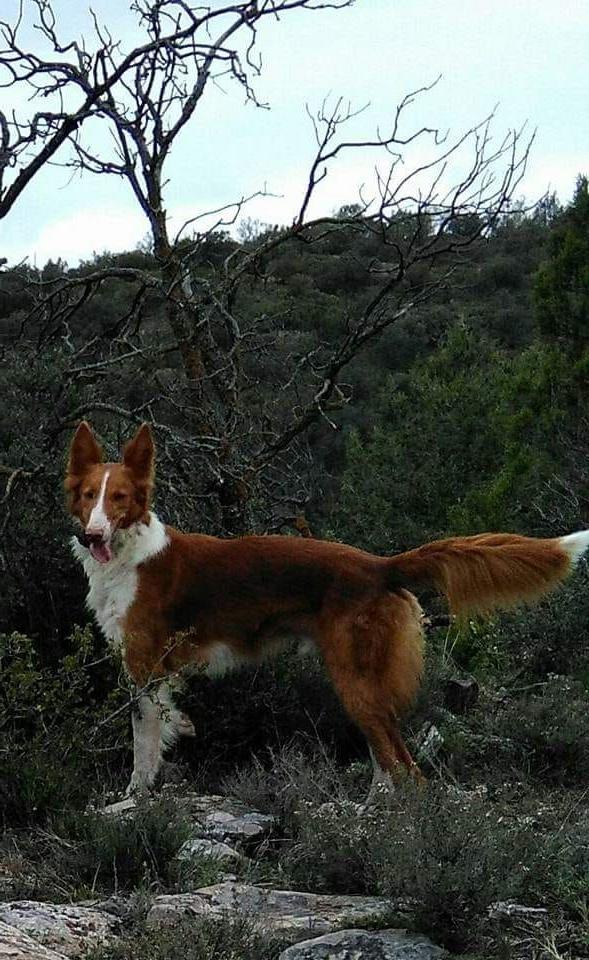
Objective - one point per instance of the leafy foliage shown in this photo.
(562, 282)
(49, 716)
(235, 939)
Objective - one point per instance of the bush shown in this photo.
(549, 727)
(57, 747)
(442, 854)
(235, 938)
(81, 855)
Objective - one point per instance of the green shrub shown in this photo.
(446, 854)
(279, 781)
(57, 747)
(80, 855)
(551, 638)
(549, 728)
(235, 938)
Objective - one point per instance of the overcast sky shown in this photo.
(527, 56)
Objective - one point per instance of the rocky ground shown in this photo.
(314, 926)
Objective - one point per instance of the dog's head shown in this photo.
(106, 497)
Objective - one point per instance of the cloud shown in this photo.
(79, 235)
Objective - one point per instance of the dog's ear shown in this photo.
(139, 455)
(85, 451)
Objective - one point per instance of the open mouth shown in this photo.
(100, 550)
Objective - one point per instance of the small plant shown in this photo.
(81, 855)
(235, 938)
(51, 757)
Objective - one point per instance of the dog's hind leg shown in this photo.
(383, 778)
(374, 660)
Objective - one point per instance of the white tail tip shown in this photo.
(575, 544)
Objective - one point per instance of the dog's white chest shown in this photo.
(111, 593)
(113, 585)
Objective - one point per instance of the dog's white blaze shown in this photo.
(98, 518)
(576, 544)
(113, 585)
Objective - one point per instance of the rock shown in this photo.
(122, 808)
(290, 913)
(70, 930)
(201, 847)
(429, 743)
(241, 827)
(16, 945)
(461, 695)
(214, 817)
(507, 908)
(366, 945)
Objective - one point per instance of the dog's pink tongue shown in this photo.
(101, 552)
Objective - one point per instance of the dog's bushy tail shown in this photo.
(488, 571)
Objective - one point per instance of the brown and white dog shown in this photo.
(171, 599)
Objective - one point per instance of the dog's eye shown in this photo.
(88, 494)
(118, 497)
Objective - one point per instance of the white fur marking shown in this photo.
(98, 518)
(113, 585)
(575, 544)
(157, 724)
(222, 659)
(147, 752)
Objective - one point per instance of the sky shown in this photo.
(526, 58)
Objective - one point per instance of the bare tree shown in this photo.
(248, 444)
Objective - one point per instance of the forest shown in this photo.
(377, 379)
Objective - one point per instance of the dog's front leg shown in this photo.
(157, 724)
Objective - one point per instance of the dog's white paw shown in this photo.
(185, 726)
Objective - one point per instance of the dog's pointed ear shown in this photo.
(139, 454)
(85, 451)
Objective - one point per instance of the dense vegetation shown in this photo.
(470, 413)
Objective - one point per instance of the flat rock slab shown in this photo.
(121, 809)
(214, 817)
(291, 913)
(16, 945)
(241, 827)
(366, 945)
(196, 806)
(503, 909)
(69, 930)
(201, 847)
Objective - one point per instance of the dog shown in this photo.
(170, 600)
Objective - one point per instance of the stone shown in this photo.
(201, 847)
(69, 930)
(366, 945)
(16, 945)
(122, 808)
(290, 913)
(460, 695)
(242, 827)
(503, 909)
(429, 744)
(215, 817)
